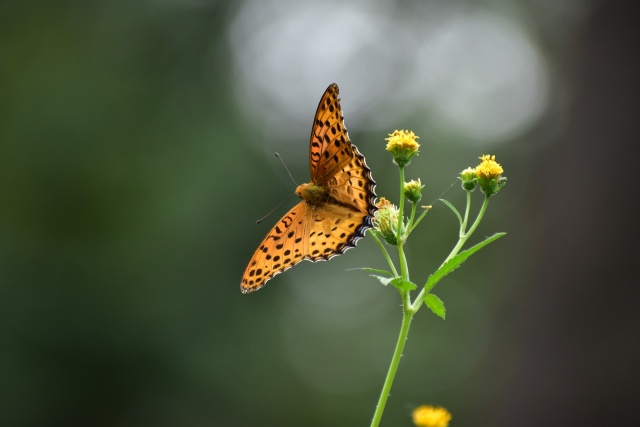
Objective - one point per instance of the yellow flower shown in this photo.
(429, 416)
(385, 221)
(413, 190)
(489, 173)
(489, 168)
(403, 145)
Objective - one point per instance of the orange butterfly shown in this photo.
(337, 206)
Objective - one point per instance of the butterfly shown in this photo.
(337, 206)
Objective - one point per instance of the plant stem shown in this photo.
(404, 269)
(410, 226)
(407, 316)
(461, 241)
(384, 252)
(483, 209)
(463, 226)
(422, 215)
(464, 235)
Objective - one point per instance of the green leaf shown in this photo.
(436, 305)
(372, 270)
(453, 208)
(455, 262)
(384, 280)
(403, 285)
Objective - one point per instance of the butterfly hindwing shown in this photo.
(284, 246)
(352, 185)
(333, 230)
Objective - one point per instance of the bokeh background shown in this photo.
(136, 153)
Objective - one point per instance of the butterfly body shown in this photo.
(337, 206)
(312, 194)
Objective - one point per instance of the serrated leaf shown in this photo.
(453, 208)
(403, 285)
(436, 305)
(455, 262)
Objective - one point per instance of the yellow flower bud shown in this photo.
(385, 221)
(469, 179)
(413, 190)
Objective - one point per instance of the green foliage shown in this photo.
(376, 271)
(384, 280)
(436, 305)
(457, 260)
(453, 208)
(403, 285)
(397, 282)
(394, 225)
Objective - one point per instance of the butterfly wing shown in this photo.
(328, 136)
(334, 229)
(320, 231)
(283, 247)
(306, 232)
(335, 162)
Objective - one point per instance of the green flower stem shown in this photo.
(464, 235)
(463, 226)
(422, 215)
(384, 252)
(404, 269)
(395, 361)
(401, 205)
(407, 315)
(413, 216)
(461, 241)
(483, 209)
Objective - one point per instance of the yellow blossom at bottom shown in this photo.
(430, 416)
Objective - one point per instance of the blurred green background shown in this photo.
(136, 153)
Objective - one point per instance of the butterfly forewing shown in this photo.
(330, 145)
(335, 162)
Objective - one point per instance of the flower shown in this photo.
(385, 221)
(489, 168)
(403, 145)
(489, 173)
(469, 179)
(430, 416)
(413, 190)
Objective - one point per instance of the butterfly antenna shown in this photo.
(274, 209)
(287, 169)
